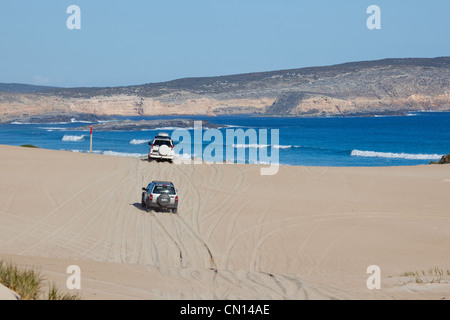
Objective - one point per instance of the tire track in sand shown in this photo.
(225, 201)
(61, 228)
(180, 247)
(96, 217)
(42, 221)
(196, 198)
(211, 262)
(117, 239)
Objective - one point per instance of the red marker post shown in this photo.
(90, 149)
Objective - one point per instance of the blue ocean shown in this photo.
(417, 138)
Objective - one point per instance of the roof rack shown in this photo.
(163, 134)
(163, 182)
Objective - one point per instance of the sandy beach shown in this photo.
(304, 233)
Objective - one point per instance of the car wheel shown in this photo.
(143, 204)
(174, 211)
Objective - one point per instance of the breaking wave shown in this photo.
(139, 141)
(73, 138)
(260, 146)
(409, 156)
(123, 154)
(112, 153)
(50, 129)
(172, 128)
(74, 120)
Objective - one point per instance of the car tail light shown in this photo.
(151, 197)
(176, 199)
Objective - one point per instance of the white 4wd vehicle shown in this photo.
(161, 148)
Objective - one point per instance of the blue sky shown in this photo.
(142, 41)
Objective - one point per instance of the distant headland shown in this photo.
(389, 86)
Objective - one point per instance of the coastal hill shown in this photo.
(389, 86)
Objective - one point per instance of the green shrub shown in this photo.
(55, 294)
(29, 146)
(28, 284)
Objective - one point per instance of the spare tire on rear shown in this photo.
(163, 200)
(164, 150)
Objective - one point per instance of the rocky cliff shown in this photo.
(390, 86)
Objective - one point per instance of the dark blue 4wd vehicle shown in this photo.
(160, 195)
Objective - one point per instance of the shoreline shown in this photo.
(50, 118)
(143, 157)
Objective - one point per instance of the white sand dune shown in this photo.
(6, 294)
(304, 233)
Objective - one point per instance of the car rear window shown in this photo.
(164, 189)
(162, 142)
